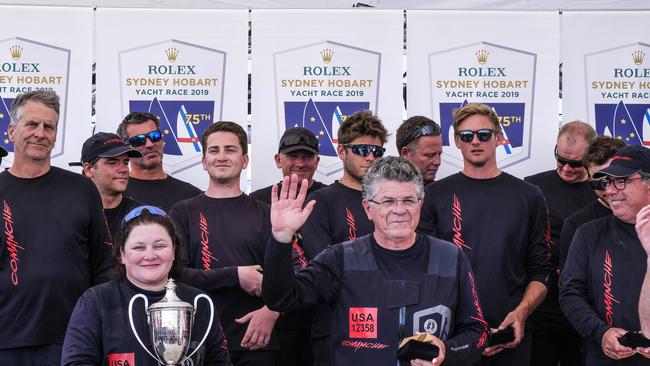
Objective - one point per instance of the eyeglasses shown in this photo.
(483, 135)
(562, 161)
(293, 140)
(426, 130)
(151, 210)
(365, 150)
(141, 139)
(597, 184)
(407, 203)
(619, 183)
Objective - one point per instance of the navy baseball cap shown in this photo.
(627, 161)
(104, 145)
(298, 138)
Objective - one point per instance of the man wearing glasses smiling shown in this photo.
(339, 215)
(499, 222)
(148, 182)
(601, 282)
(566, 190)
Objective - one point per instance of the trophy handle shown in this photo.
(207, 331)
(135, 332)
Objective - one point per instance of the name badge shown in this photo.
(121, 359)
(363, 322)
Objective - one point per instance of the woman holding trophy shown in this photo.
(113, 324)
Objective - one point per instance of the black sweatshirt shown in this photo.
(500, 224)
(54, 245)
(115, 216)
(221, 234)
(338, 216)
(592, 211)
(601, 283)
(562, 200)
(163, 193)
(100, 333)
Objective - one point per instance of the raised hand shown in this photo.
(287, 211)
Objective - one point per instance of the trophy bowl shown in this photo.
(170, 324)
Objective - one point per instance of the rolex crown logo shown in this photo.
(327, 54)
(638, 57)
(16, 51)
(172, 54)
(482, 56)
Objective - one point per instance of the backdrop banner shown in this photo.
(188, 67)
(40, 51)
(339, 62)
(507, 60)
(606, 74)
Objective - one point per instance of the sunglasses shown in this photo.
(562, 161)
(365, 150)
(294, 140)
(151, 210)
(426, 130)
(597, 184)
(483, 135)
(141, 139)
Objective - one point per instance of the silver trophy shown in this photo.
(170, 323)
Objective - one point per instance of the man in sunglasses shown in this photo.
(339, 215)
(602, 279)
(297, 154)
(225, 233)
(105, 160)
(598, 156)
(148, 181)
(499, 221)
(566, 190)
(418, 141)
(54, 237)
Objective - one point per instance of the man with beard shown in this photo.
(148, 182)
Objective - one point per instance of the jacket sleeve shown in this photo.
(284, 290)
(538, 253)
(568, 230)
(100, 244)
(82, 344)
(207, 280)
(574, 289)
(470, 328)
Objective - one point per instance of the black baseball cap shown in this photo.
(298, 138)
(104, 145)
(3, 152)
(627, 161)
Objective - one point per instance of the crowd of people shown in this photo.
(387, 265)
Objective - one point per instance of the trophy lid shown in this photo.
(170, 300)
